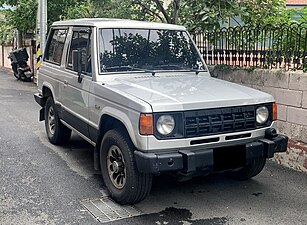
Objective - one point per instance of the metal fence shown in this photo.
(264, 47)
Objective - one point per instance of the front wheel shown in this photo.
(119, 171)
(250, 170)
(57, 133)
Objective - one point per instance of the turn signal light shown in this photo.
(146, 124)
(274, 111)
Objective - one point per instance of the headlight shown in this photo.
(262, 114)
(165, 124)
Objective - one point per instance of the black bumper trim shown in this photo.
(190, 161)
(41, 101)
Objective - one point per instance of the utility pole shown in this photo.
(43, 24)
(41, 30)
(19, 39)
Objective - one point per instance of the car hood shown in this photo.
(188, 92)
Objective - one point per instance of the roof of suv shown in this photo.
(117, 23)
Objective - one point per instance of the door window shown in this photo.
(55, 46)
(81, 40)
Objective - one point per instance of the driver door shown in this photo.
(75, 93)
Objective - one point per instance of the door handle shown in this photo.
(65, 83)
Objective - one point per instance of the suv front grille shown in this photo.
(216, 121)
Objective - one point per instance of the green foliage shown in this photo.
(271, 13)
(64, 9)
(224, 68)
(196, 15)
(23, 14)
(106, 9)
(6, 34)
(21, 17)
(6, 31)
(199, 15)
(123, 9)
(301, 14)
(254, 12)
(82, 10)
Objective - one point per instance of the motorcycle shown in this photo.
(21, 69)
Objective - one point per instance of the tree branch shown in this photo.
(163, 11)
(149, 11)
(175, 11)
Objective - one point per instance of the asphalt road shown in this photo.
(44, 184)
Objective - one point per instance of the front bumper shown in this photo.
(188, 161)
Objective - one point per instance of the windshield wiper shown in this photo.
(152, 71)
(131, 68)
(181, 67)
(166, 66)
(122, 68)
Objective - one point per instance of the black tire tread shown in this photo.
(62, 133)
(250, 170)
(143, 181)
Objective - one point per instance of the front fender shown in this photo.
(49, 86)
(124, 119)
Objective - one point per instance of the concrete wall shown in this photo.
(6, 51)
(290, 92)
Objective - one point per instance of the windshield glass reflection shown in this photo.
(143, 50)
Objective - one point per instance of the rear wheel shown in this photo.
(16, 76)
(120, 174)
(250, 170)
(57, 133)
(15, 71)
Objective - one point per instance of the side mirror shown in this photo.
(76, 63)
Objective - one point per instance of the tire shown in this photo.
(250, 170)
(57, 133)
(125, 184)
(16, 76)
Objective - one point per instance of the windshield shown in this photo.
(147, 50)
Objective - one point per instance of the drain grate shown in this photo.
(106, 210)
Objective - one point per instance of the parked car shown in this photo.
(141, 94)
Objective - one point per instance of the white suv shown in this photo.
(142, 95)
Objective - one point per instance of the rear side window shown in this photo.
(55, 46)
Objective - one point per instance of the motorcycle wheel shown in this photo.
(16, 76)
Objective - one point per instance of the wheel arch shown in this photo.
(110, 120)
(47, 91)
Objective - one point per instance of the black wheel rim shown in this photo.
(51, 120)
(116, 167)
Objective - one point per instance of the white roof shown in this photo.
(117, 23)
